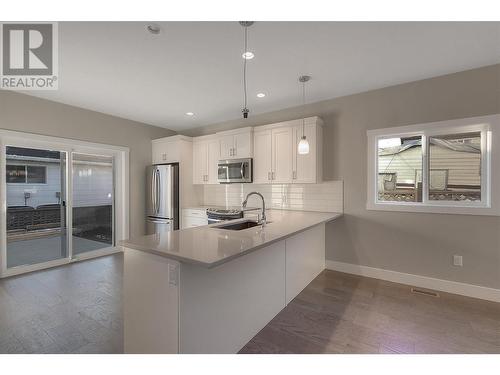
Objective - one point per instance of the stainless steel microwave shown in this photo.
(234, 171)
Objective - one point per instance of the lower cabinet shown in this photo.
(151, 310)
(305, 259)
(191, 217)
(173, 307)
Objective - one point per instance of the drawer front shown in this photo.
(190, 222)
(194, 213)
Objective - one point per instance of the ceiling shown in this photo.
(120, 69)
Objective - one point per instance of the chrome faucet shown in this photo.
(262, 221)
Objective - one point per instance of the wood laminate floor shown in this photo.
(70, 309)
(78, 309)
(342, 313)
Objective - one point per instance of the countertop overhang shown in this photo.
(209, 246)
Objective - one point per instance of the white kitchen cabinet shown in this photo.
(213, 156)
(273, 155)
(276, 159)
(236, 144)
(206, 154)
(262, 161)
(200, 165)
(282, 155)
(193, 217)
(220, 308)
(307, 168)
(166, 150)
(226, 146)
(305, 259)
(142, 275)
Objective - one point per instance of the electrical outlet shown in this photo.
(457, 260)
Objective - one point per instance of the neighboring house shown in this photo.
(34, 181)
(454, 166)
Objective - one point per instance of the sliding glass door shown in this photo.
(93, 203)
(36, 213)
(60, 203)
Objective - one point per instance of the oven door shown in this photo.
(234, 171)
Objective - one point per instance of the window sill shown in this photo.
(485, 210)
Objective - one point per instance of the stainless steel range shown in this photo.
(216, 215)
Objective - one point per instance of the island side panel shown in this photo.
(222, 308)
(305, 259)
(151, 303)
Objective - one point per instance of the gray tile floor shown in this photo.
(70, 309)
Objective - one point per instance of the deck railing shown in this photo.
(413, 195)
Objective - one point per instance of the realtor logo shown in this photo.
(28, 56)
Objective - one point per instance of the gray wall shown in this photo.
(29, 114)
(415, 243)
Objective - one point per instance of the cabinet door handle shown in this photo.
(268, 176)
(272, 175)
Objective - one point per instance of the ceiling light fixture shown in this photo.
(261, 95)
(303, 146)
(153, 29)
(246, 56)
(189, 114)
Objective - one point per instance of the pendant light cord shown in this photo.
(245, 70)
(303, 108)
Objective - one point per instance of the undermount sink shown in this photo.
(238, 226)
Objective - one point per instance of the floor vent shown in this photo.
(425, 292)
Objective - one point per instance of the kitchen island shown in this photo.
(209, 289)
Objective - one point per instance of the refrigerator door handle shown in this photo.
(153, 191)
(157, 183)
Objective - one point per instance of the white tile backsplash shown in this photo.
(327, 196)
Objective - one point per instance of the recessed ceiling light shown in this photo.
(153, 29)
(260, 95)
(248, 55)
(189, 114)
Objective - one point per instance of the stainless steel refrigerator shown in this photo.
(163, 198)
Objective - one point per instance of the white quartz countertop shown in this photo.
(204, 208)
(209, 246)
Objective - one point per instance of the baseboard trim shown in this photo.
(454, 287)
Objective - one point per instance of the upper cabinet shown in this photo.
(206, 154)
(236, 144)
(167, 150)
(273, 148)
(262, 161)
(276, 159)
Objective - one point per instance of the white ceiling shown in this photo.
(120, 69)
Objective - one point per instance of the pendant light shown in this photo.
(303, 146)
(247, 55)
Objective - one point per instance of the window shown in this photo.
(438, 167)
(455, 167)
(26, 174)
(399, 159)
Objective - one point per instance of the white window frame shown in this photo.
(488, 126)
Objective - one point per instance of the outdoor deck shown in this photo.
(45, 249)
